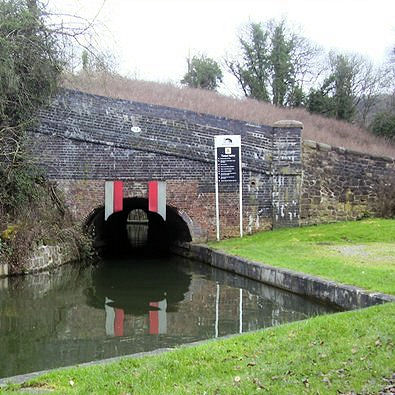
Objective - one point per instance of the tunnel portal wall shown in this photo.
(83, 140)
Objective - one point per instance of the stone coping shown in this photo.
(345, 296)
(342, 150)
(288, 123)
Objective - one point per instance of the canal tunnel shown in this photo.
(136, 230)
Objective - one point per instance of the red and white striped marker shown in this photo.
(157, 197)
(114, 319)
(113, 198)
(158, 318)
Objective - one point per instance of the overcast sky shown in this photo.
(152, 38)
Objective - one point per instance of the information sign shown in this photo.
(228, 169)
(228, 164)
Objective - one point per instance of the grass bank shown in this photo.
(341, 353)
(357, 253)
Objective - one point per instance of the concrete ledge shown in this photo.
(22, 378)
(345, 296)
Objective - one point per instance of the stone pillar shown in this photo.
(286, 172)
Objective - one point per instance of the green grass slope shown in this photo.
(358, 253)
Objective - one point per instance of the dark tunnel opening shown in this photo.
(136, 231)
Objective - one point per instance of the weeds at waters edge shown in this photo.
(341, 353)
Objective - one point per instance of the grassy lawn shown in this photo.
(358, 253)
(330, 354)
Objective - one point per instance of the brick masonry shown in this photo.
(83, 140)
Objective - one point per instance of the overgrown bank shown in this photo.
(39, 219)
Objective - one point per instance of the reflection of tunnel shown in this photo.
(135, 229)
(133, 288)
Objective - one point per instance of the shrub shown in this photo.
(383, 124)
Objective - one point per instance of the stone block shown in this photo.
(324, 147)
(288, 124)
(3, 270)
(310, 143)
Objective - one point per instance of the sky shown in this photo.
(151, 39)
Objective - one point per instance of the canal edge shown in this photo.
(347, 297)
(23, 378)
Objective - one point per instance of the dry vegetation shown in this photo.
(316, 127)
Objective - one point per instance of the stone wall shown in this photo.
(48, 257)
(45, 258)
(339, 184)
(83, 140)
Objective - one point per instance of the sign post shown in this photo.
(228, 170)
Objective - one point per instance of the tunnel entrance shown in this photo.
(137, 227)
(135, 230)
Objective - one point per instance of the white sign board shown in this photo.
(228, 169)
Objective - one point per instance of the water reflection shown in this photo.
(132, 286)
(121, 307)
(150, 288)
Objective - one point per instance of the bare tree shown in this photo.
(32, 49)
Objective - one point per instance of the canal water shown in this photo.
(117, 307)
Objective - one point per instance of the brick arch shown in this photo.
(162, 233)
